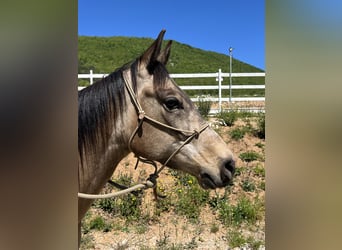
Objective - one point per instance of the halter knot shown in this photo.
(141, 115)
(196, 134)
(152, 180)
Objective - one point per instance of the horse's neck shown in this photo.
(96, 168)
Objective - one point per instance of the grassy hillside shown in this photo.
(105, 54)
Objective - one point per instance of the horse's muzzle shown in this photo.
(226, 175)
(227, 172)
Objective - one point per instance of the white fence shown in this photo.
(217, 75)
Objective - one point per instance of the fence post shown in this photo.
(219, 79)
(91, 77)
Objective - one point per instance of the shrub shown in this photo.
(127, 206)
(107, 205)
(191, 198)
(237, 133)
(204, 106)
(228, 117)
(235, 239)
(243, 211)
(98, 223)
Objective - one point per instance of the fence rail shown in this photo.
(217, 75)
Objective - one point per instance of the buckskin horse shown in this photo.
(138, 108)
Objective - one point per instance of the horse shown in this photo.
(139, 108)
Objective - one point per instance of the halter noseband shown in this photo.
(141, 117)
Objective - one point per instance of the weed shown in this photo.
(163, 205)
(237, 133)
(239, 171)
(129, 206)
(262, 185)
(191, 197)
(246, 114)
(259, 171)
(141, 228)
(235, 239)
(190, 202)
(254, 244)
(260, 145)
(243, 211)
(250, 156)
(163, 241)
(228, 117)
(260, 130)
(99, 224)
(204, 106)
(87, 242)
(85, 224)
(248, 185)
(107, 205)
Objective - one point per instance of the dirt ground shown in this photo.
(172, 231)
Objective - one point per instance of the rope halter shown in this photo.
(152, 179)
(190, 134)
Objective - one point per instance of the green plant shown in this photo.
(98, 223)
(239, 171)
(107, 205)
(248, 185)
(262, 185)
(259, 170)
(237, 133)
(260, 145)
(228, 117)
(254, 244)
(128, 206)
(163, 241)
(244, 211)
(191, 197)
(204, 106)
(260, 130)
(250, 156)
(141, 228)
(87, 242)
(235, 239)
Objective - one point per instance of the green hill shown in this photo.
(105, 54)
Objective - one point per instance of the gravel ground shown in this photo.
(171, 231)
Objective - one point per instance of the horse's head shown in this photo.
(205, 156)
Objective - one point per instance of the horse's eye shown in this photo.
(172, 103)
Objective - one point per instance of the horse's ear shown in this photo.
(163, 57)
(151, 54)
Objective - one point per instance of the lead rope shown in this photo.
(152, 179)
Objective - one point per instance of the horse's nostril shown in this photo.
(230, 165)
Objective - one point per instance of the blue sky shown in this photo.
(209, 25)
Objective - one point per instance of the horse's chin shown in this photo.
(207, 182)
